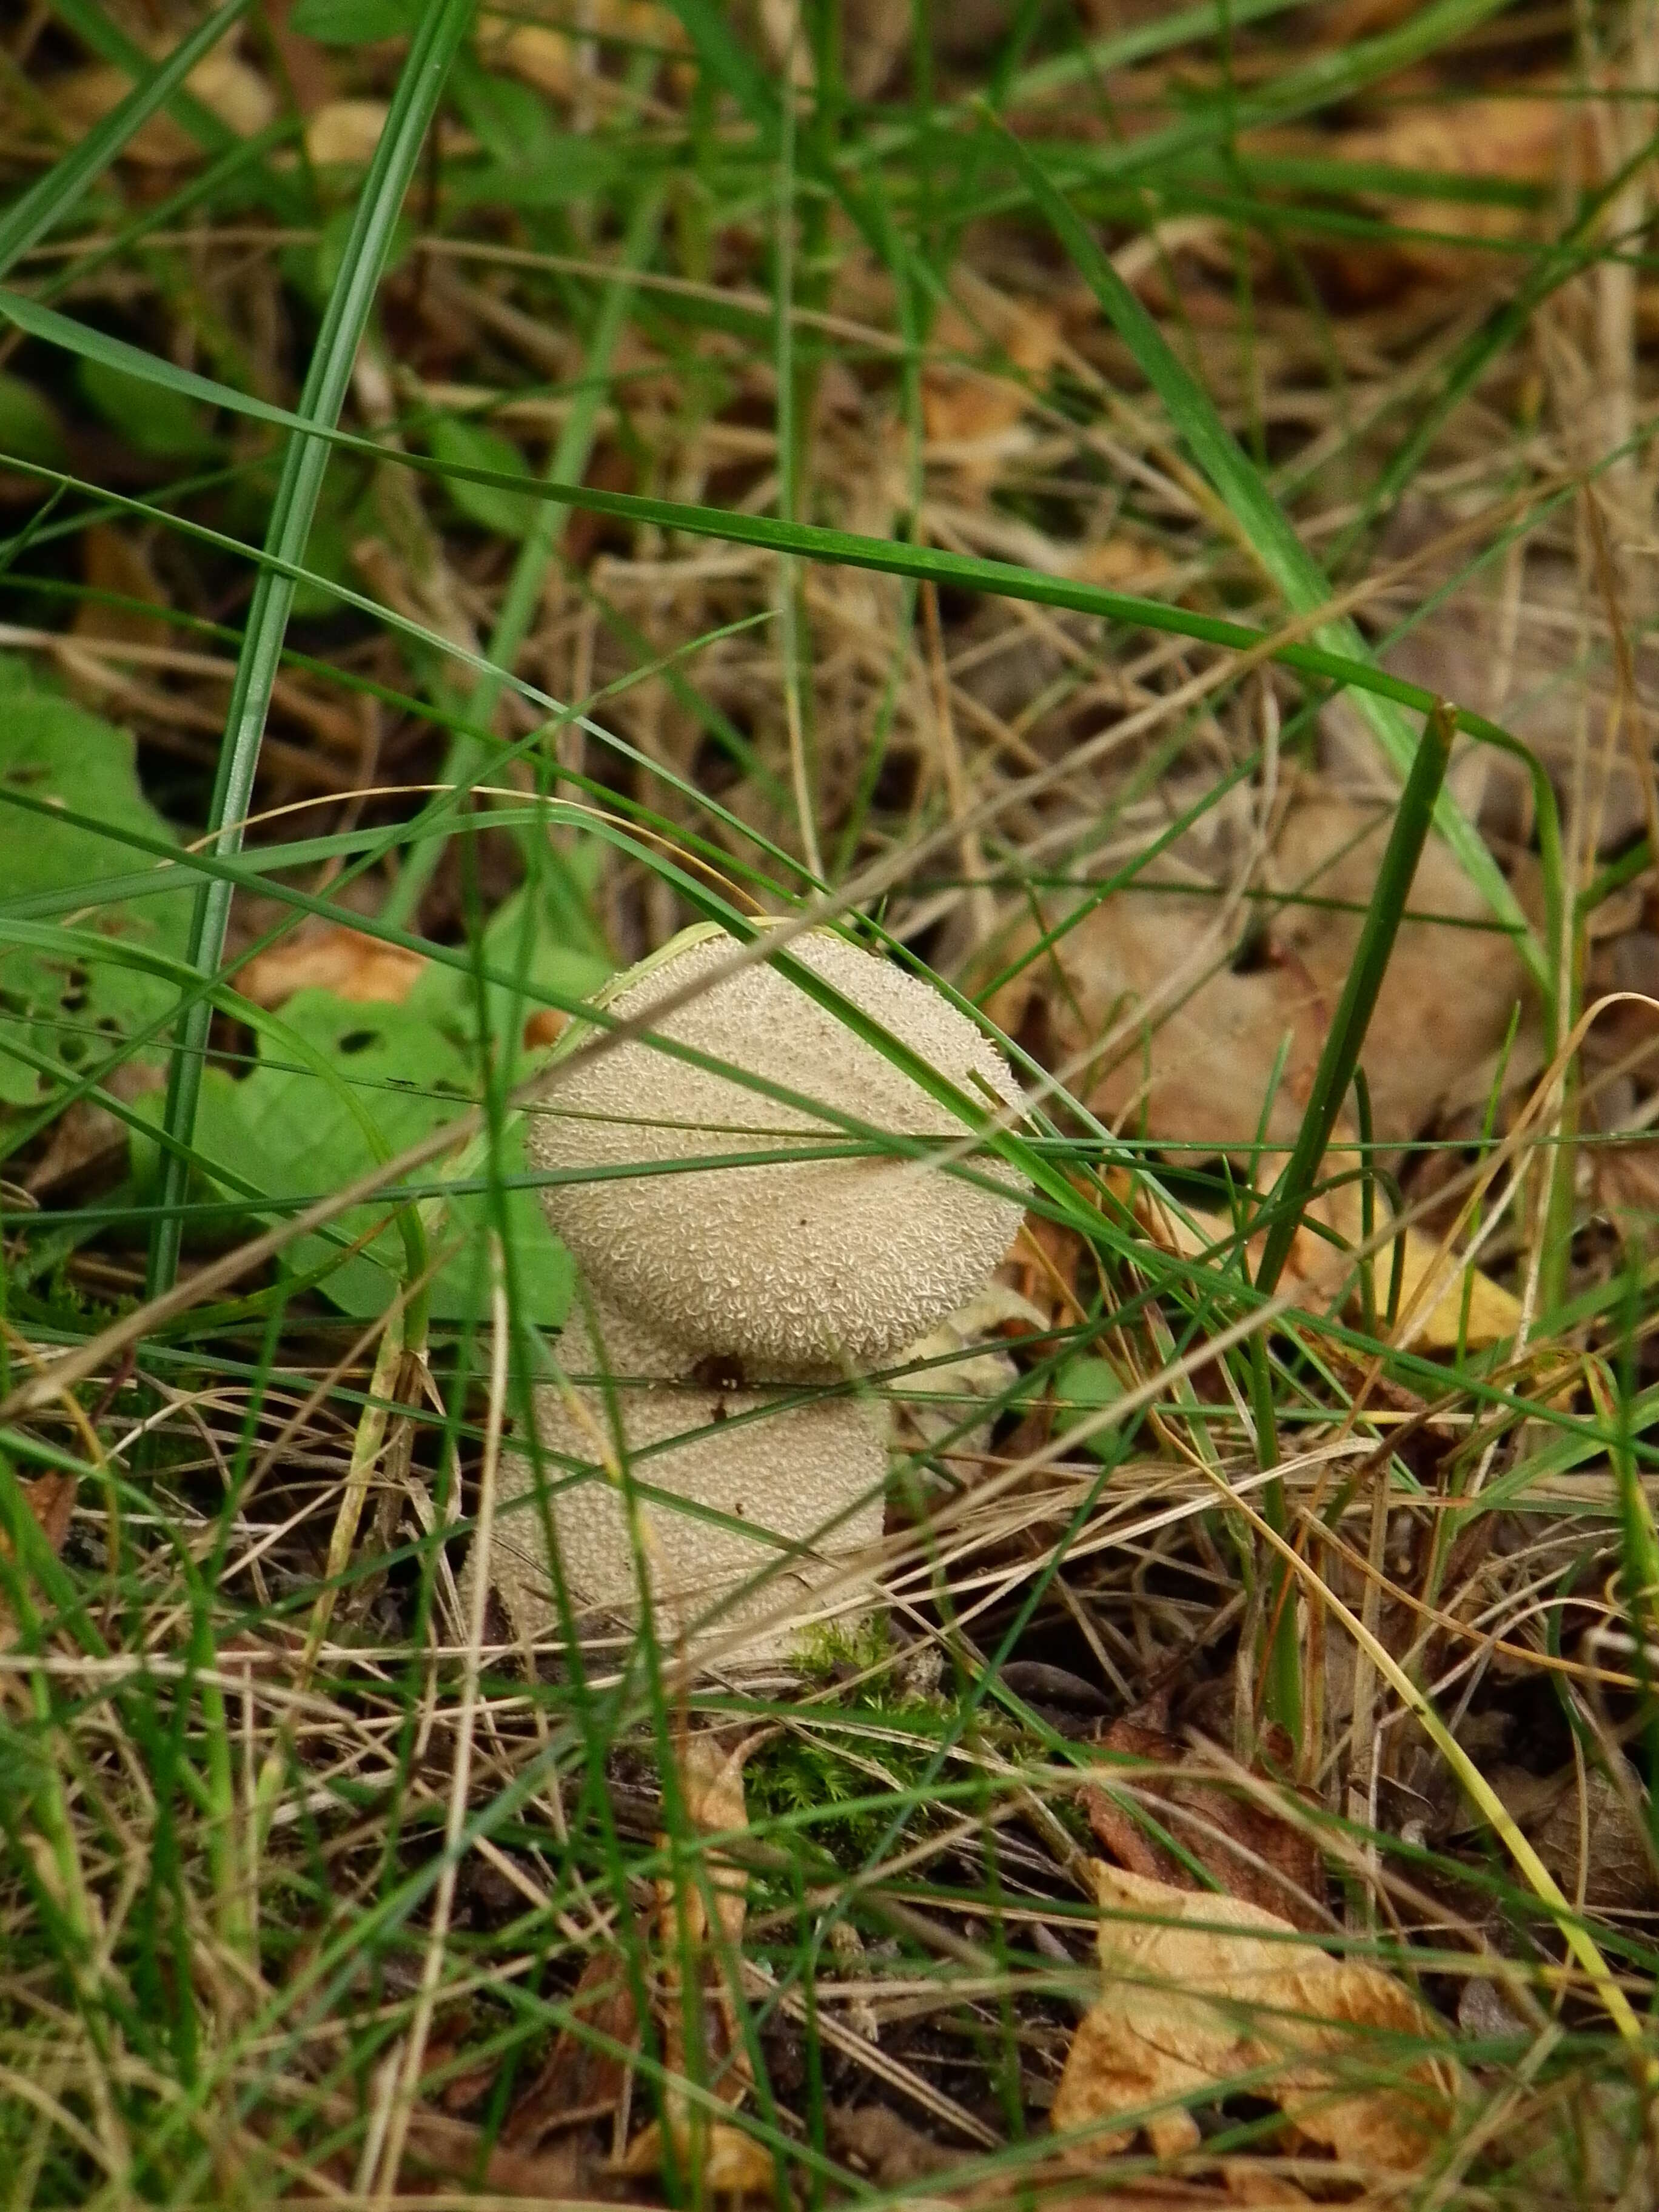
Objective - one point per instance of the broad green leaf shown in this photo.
(510, 119)
(1083, 1387)
(295, 1136)
(158, 422)
(353, 22)
(29, 428)
(75, 1011)
(462, 444)
(443, 26)
(569, 166)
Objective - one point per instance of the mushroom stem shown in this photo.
(744, 1499)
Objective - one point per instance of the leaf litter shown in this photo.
(1204, 1990)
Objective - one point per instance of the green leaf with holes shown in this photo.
(61, 1020)
(412, 1066)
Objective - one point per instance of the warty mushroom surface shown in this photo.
(720, 1294)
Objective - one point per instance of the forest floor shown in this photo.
(1143, 516)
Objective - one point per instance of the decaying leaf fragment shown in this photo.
(1203, 1989)
(50, 1500)
(705, 2011)
(1430, 1310)
(329, 957)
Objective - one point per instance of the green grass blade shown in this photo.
(811, 542)
(111, 43)
(441, 31)
(571, 453)
(1340, 1055)
(1264, 528)
(29, 218)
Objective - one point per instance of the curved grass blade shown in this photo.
(1330, 663)
(1340, 1055)
(435, 43)
(1264, 528)
(30, 217)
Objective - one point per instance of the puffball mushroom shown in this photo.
(715, 1293)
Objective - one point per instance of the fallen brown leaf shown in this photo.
(1199, 1990)
(543, 58)
(1198, 1065)
(1590, 1835)
(1188, 1036)
(112, 562)
(344, 133)
(223, 83)
(329, 957)
(1258, 1855)
(975, 413)
(50, 1500)
(1121, 563)
(580, 2081)
(1520, 137)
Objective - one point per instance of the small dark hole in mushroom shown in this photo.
(717, 1371)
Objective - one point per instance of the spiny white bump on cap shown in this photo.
(792, 1267)
(811, 1474)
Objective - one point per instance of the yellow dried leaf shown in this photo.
(1494, 1313)
(728, 2162)
(541, 57)
(1316, 1269)
(712, 1781)
(982, 407)
(1200, 1989)
(344, 133)
(705, 2019)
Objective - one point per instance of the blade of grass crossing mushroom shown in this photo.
(29, 218)
(441, 30)
(1265, 531)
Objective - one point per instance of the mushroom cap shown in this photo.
(792, 1268)
(811, 1474)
